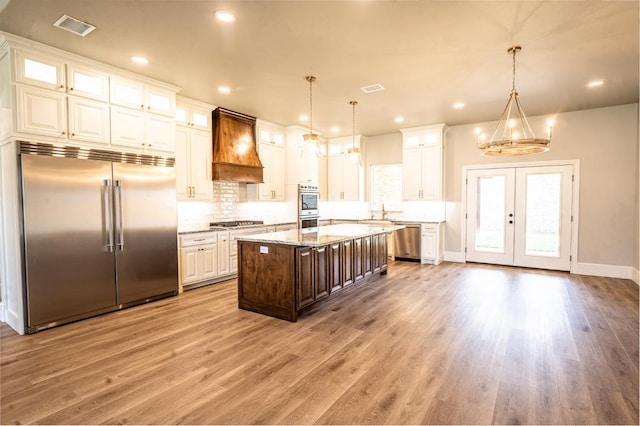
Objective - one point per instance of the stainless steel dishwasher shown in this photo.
(407, 242)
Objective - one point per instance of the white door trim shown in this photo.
(574, 207)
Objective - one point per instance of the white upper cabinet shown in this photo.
(39, 70)
(144, 116)
(271, 150)
(62, 97)
(134, 128)
(127, 127)
(344, 171)
(88, 120)
(86, 82)
(159, 133)
(193, 150)
(422, 163)
(138, 95)
(193, 114)
(43, 112)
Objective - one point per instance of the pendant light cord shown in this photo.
(311, 79)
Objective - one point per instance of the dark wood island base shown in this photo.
(286, 278)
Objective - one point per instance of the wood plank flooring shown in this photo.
(447, 344)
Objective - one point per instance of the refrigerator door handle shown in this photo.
(108, 215)
(119, 225)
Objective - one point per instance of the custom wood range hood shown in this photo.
(235, 157)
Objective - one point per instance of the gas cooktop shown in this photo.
(235, 223)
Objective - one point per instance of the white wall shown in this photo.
(605, 140)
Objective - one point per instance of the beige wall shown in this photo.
(605, 141)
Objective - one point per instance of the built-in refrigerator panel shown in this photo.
(145, 231)
(69, 268)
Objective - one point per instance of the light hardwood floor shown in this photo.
(454, 343)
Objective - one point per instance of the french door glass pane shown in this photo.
(542, 234)
(490, 220)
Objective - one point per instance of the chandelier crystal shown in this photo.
(516, 136)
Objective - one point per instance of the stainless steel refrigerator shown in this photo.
(99, 232)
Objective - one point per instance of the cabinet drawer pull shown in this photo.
(199, 239)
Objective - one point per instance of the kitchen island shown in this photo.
(284, 274)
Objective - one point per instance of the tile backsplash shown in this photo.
(229, 202)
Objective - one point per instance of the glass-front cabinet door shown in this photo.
(88, 83)
(39, 70)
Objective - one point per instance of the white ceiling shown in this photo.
(427, 54)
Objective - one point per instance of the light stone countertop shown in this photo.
(203, 227)
(325, 235)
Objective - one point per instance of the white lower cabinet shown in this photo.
(223, 253)
(432, 243)
(198, 257)
(208, 257)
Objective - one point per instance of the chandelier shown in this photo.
(354, 150)
(516, 138)
(310, 138)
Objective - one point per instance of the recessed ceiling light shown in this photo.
(458, 105)
(224, 16)
(596, 83)
(399, 119)
(335, 129)
(303, 117)
(224, 89)
(139, 60)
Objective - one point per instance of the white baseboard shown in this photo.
(600, 270)
(454, 256)
(595, 269)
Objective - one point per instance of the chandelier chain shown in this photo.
(513, 83)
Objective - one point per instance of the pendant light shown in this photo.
(516, 138)
(310, 138)
(354, 151)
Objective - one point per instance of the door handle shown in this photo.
(119, 225)
(108, 214)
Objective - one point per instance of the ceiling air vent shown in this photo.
(372, 88)
(74, 25)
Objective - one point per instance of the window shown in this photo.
(386, 187)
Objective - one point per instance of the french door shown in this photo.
(520, 216)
